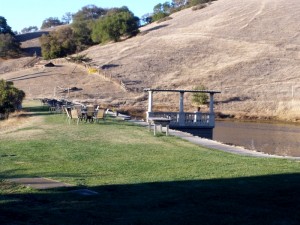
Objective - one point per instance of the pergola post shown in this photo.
(181, 115)
(150, 103)
(211, 110)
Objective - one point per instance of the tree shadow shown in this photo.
(234, 99)
(109, 66)
(33, 51)
(272, 199)
(31, 76)
(152, 29)
(30, 36)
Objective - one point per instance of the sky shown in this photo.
(24, 13)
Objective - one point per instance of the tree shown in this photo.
(159, 16)
(146, 19)
(179, 3)
(161, 11)
(67, 18)
(4, 28)
(10, 98)
(51, 22)
(167, 7)
(9, 46)
(117, 10)
(82, 25)
(158, 8)
(82, 34)
(199, 98)
(197, 2)
(58, 43)
(29, 29)
(113, 27)
(89, 12)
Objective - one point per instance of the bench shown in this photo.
(159, 121)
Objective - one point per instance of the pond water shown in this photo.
(271, 138)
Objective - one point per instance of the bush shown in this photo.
(10, 98)
(164, 19)
(79, 58)
(158, 16)
(199, 98)
(198, 2)
(197, 7)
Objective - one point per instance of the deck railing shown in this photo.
(186, 119)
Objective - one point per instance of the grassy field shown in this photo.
(141, 179)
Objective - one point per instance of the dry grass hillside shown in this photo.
(248, 49)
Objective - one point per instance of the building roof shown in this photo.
(182, 91)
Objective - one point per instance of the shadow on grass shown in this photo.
(42, 108)
(264, 200)
(33, 114)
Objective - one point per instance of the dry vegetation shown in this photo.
(248, 49)
(17, 122)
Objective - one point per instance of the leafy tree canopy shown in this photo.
(4, 28)
(200, 98)
(179, 3)
(29, 29)
(146, 18)
(58, 43)
(67, 18)
(162, 8)
(114, 26)
(82, 25)
(10, 98)
(89, 12)
(9, 46)
(51, 22)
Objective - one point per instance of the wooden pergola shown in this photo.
(181, 119)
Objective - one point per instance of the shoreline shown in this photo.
(212, 144)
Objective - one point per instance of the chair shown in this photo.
(81, 113)
(90, 113)
(100, 115)
(68, 114)
(74, 115)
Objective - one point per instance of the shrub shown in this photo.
(158, 16)
(79, 58)
(199, 98)
(164, 19)
(197, 7)
(10, 98)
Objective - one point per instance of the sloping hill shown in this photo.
(248, 49)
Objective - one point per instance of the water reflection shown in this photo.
(276, 139)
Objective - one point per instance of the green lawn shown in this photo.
(141, 179)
